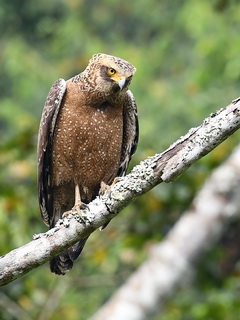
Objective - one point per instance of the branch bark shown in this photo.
(165, 166)
(171, 261)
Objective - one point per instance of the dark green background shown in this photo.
(187, 55)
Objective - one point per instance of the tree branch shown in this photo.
(170, 262)
(166, 167)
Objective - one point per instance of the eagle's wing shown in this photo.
(130, 133)
(45, 137)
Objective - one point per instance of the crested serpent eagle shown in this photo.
(87, 136)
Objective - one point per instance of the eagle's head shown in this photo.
(109, 74)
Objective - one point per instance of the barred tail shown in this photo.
(64, 261)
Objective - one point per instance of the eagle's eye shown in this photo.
(111, 71)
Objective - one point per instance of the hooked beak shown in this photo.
(122, 82)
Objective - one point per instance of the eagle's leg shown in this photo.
(106, 187)
(78, 205)
(78, 201)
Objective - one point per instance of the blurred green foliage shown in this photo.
(187, 56)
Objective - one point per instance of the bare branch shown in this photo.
(166, 166)
(171, 261)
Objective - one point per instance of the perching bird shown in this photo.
(88, 134)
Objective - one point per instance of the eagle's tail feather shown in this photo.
(64, 261)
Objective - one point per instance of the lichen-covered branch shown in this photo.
(171, 261)
(166, 166)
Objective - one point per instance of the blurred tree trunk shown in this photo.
(172, 261)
